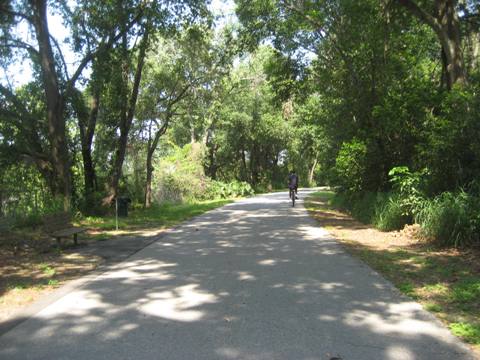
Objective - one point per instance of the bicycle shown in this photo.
(292, 196)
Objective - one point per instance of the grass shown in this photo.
(24, 278)
(445, 281)
(160, 216)
(47, 270)
(466, 331)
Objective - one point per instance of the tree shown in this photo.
(443, 20)
(246, 132)
(181, 86)
(128, 103)
(57, 85)
(167, 21)
(165, 85)
(359, 65)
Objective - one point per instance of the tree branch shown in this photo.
(319, 30)
(15, 43)
(138, 75)
(4, 9)
(180, 96)
(64, 63)
(420, 13)
(91, 55)
(15, 101)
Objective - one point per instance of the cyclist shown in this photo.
(293, 182)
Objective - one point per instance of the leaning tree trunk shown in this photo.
(126, 123)
(450, 38)
(244, 166)
(55, 105)
(87, 131)
(151, 147)
(312, 171)
(148, 184)
(446, 26)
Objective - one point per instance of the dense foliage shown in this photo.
(397, 86)
(377, 98)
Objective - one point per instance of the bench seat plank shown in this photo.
(59, 226)
(68, 232)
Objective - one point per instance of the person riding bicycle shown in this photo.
(293, 182)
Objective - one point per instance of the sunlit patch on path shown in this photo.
(256, 279)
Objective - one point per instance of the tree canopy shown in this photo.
(341, 91)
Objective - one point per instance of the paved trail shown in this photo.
(254, 280)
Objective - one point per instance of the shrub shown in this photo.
(350, 166)
(361, 206)
(451, 148)
(180, 177)
(219, 189)
(34, 218)
(449, 219)
(390, 214)
(384, 210)
(339, 201)
(407, 186)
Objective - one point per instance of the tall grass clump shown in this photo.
(390, 214)
(358, 205)
(399, 207)
(450, 219)
(362, 206)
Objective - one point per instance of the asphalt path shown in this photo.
(253, 280)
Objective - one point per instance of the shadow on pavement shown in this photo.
(253, 280)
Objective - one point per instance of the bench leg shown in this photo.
(75, 239)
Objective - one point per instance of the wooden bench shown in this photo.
(7, 236)
(5, 225)
(60, 226)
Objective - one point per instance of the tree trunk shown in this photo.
(89, 176)
(192, 131)
(55, 105)
(446, 25)
(148, 184)
(151, 147)
(312, 171)
(244, 166)
(125, 124)
(450, 39)
(212, 166)
(87, 123)
(1, 196)
(253, 166)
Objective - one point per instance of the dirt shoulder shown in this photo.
(31, 275)
(32, 266)
(28, 276)
(445, 281)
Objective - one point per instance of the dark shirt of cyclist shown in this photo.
(293, 181)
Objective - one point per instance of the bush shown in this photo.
(219, 189)
(390, 214)
(393, 211)
(407, 185)
(451, 148)
(450, 219)
(383, 210)
(361, 206)
(180, 177)
(350, 166)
